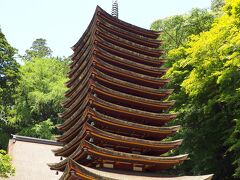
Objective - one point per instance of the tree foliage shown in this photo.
(6, 169)
(8, 76)
(39, 49)
(40, 91)
(176, 29)
(30, 95)
(8, 83)
(205, 72)
(217, 5)
(42, 130)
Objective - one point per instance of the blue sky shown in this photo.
(62, 22)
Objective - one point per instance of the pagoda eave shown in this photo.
(91, 152)
(78, 171)
(101, 136)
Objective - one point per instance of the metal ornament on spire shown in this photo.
(115, 8)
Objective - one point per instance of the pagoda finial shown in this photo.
(115, 8)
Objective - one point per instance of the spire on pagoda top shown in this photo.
(114, 8)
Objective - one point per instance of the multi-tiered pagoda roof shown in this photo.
(115, 109)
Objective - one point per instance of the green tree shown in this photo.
(8, 83)
(6, 169)
(8, 72)
(42, 130)
(205, 72)
(176, 29)
(39, 49)
(40, 91)
(217, 5)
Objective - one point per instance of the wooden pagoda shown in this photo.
(115, 112)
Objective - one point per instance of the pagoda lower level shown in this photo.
(116, 113)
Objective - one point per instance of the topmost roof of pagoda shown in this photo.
(101, 16)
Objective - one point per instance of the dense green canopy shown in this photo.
(41, 89)
(205, 72)
(40, 92)
(8, 83)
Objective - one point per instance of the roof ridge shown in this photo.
(35, 140)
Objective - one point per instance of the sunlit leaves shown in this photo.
(41, 130)
(41, 89)
(6, 168)
(39, 49)
(205, 73)
(176, 29)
